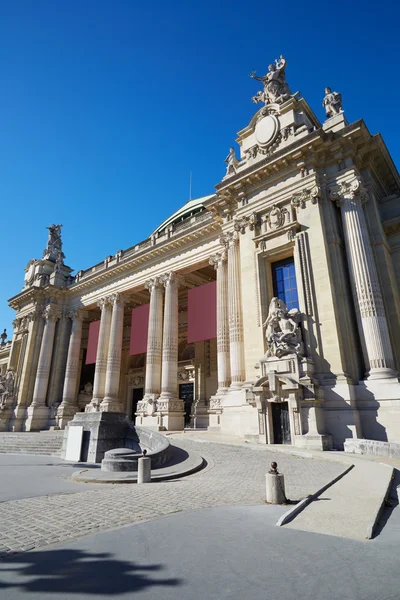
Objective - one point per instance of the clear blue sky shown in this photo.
(106, 106)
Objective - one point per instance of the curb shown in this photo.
(298, 508)
(381, 506)
(196, 463)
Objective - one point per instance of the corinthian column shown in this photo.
(38, 412)
(154, 340)
(111, 402)
(169, 377)
(68, 406)
(371, 317)
(236, 341)
(101, 356)
(224, 372)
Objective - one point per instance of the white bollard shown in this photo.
(144, 469)
(275, 488)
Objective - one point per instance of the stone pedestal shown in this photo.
(102, 431)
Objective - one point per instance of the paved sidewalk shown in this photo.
(234, 476)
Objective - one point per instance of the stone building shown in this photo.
(269, 309)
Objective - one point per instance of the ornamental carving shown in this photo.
(135, 379)
(52, 312)
(152, 284)
(276, 217)
(251, 221)
(218, 259)
(300, 199)
(351, 190)
(215, 403)
(187, 373)
(282, 331)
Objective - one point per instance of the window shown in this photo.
(284, 282)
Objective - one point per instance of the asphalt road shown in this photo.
(227, 553)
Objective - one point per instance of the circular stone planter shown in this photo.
(156, 445)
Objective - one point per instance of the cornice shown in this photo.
(141, 257)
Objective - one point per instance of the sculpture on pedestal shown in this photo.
(6, 388)
(332, 103)
(232, 162)
(282, 332)
(276, 90)
(53, 250)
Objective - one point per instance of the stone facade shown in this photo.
(321, 198)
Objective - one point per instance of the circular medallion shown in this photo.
(267, 130)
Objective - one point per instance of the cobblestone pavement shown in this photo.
(233, 476)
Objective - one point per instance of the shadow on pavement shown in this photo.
(76, 571)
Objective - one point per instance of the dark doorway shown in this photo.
(186, 394)
(280, 422)
(137, 394)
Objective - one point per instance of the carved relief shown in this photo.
(276, 217)
(300, 199)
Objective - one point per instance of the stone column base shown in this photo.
(18, 419)
(37, 418)
(171, 413)
(65, 414)
(111, 405)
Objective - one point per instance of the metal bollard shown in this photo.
(275, 488)
(144, 469)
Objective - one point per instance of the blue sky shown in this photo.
(106, 106)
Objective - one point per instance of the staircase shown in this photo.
(29, 442)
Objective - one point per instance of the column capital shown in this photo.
(117, 298)
(172, 278)
(52, 312)
(35, 314)
(349, 190)
(77, 314)
(217, 259)
(229, 239)
(152, 284)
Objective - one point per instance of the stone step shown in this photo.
(31, 442)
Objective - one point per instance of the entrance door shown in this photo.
(186, 394)
(280, 422)
(137, 394)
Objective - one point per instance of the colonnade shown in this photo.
(230, 338)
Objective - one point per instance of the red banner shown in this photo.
(202, 312)
(93, 340)
(139, 329)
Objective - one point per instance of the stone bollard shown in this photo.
(275, 486)
(144, 469)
